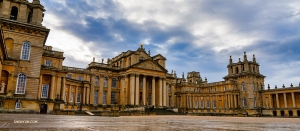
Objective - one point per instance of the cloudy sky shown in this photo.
(194, 35)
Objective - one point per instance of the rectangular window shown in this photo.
(18, 105)
(207, 104)
(95, 97)
(80, 78)
(78, 97)
(170, 98)
(113, 98)
(104, 97)
(71, 96)
(48, 62)
(224, 103)
(196, 104)
(214, 104)
(69, 76)
(45, 91)
(244, 102)
(150, 99)
(255, 102)
(150, 86)
(202, 104)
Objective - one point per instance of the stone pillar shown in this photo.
(137, 89)
(108, 95)
(153, 90)
(84, 95)
(144, 90)
(40, 86)
(293, 99)
(132, 87)
(231, 101)
(235, 103)
(284, 97)
(63, 86)
(87, 95)
(52, 87)
(75, 93)
(69, 92)
(58, 88)
(270, 101)
(126, 90)
(160, 92)
(100, 92)
(165, 93)
(223, 103)
(122, 91)
(92, 89)
(277, 101)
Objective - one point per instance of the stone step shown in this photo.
(90, 113)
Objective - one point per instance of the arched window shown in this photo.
(261, 87)
(236, 70)
(114, 83)
(14, 13)
(243, 87)
(21, 84)
(18, 105)
(196, 81)
(97, 81)
(105, 82)
(25, 51)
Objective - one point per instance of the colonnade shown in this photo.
(270, 103)
(208, 101)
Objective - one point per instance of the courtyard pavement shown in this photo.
(35, 122)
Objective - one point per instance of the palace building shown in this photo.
(34, 80)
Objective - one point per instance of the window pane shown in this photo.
(20, 89)
(45, 91)
(96, 97)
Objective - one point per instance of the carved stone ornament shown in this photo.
(149, 65)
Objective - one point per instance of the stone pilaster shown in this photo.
(137, 89)
(153, 90)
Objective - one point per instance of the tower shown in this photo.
(248, 81)
(24, 39)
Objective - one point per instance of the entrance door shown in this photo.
(43, 109)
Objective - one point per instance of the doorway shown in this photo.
(290, 113)
(43, 109)
(274, 113)
(282, 113)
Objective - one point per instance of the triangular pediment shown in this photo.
(150, 65)
(159, 56)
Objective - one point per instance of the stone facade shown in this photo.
(34, 80)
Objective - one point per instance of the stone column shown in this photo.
(40, 87)
(165, 93)
(223, 103)
(75, 93)
(284, 97)
(293, 99)
(270, 101)
(144, 90)
(52, 87)
(132, 87)
(63, 86)
(58, 88)
(108, 95)
(100, 92)
(122, 91)
(137, 89)
(126, 90)
(87, 95)
(235, 103)
(160, 92)
(277, 101)
(153, 90)
(92, 89)
(231, 101)
(84, 95)
(69, 92)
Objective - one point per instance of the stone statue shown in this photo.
(2, 87)
(267, 104)
(102, 60)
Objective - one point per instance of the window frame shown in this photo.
(71, 97)
(48, 63)
(23, 84)
(78, 100)
(47, 91)
(24, 51)
(18, 105)
(96, 97)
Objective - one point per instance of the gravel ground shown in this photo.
(35, 122)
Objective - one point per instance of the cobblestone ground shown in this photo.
(35, 122)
